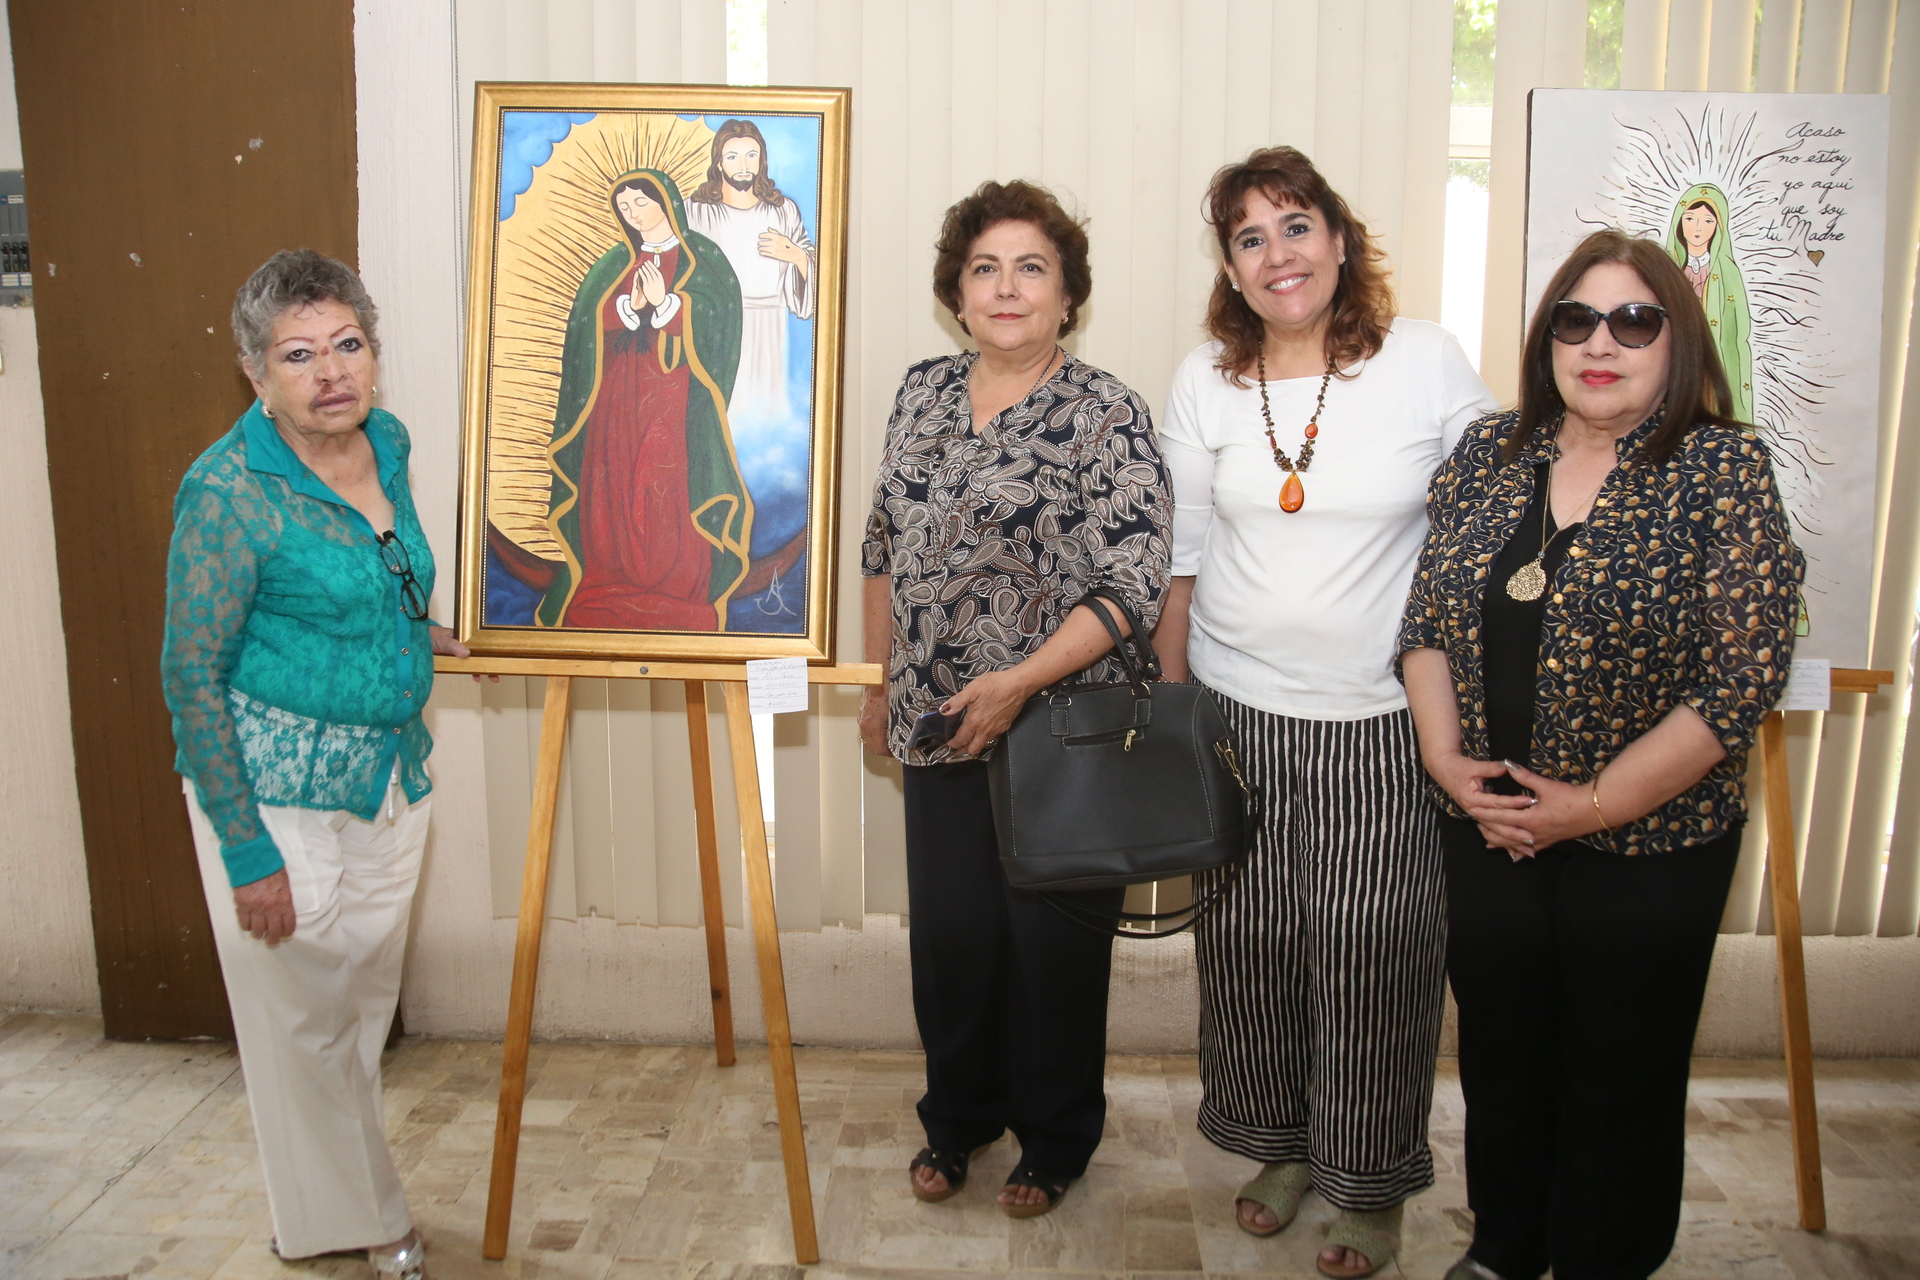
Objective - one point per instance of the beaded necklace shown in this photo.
(1293, 494)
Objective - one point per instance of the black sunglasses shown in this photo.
(393, 554)
(1636, 324)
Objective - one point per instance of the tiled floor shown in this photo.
(641, 1163)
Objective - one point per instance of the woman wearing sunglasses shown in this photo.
(1602, 615)
(298, 657)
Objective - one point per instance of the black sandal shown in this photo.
(951, 1165)
(1054, 1187)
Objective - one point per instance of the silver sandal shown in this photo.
(406, 1261)
(1468, 1269)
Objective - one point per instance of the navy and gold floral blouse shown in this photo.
(1679, 590)
(991, 539)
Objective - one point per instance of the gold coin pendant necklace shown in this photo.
(1293, 494)
(1529, 581)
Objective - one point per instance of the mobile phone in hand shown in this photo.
(934, 729)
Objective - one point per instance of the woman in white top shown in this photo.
(1300, 442)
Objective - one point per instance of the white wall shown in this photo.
(46, 933)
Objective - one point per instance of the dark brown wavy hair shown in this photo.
(764, 191)
(1697, 389)
(1016, 201)
(1362, 300)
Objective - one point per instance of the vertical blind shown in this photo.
(1124, 108)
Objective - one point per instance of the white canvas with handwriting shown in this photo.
(1775, 203)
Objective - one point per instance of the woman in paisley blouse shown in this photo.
(1014, 479)
(1322, 969)
(298, 657)
(1602, 615)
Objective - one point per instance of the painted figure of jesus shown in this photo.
(760, 231)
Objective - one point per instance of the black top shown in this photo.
(1510, 635)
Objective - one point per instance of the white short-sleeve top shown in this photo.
(1297, 613)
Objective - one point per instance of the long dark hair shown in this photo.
(1363, 299)
(1697, 390)
(764, 191)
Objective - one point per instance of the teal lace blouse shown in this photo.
(293, 674)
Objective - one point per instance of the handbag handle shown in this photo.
(1109, 923)
(1134, 649)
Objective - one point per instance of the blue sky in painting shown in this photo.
(526, 143)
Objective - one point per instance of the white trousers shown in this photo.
(312, 1012)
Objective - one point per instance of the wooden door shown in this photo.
(170, 148)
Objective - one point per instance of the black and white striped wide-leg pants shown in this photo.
(1322, 970)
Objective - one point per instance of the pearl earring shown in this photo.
(267, 411)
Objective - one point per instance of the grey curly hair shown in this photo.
(296, 278)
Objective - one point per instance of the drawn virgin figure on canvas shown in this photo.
(1702, 244)
(647, 501)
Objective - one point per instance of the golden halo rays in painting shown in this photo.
(654, 358)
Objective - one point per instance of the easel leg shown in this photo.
(526, 966)
(1783, 878)
(710, 907)
(773, 984)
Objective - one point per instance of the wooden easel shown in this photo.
(1783, 878)
(560, 674)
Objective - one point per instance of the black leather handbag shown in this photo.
(1102, 785)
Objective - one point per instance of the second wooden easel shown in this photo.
(1783, 879)
(560, 674)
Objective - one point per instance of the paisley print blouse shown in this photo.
(991, 539)
(1679, 590)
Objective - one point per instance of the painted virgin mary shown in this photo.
(1700, 239)
(647, 504)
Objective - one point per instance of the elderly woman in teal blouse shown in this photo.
(298, 657)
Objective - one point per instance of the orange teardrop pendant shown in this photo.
(1293, 494)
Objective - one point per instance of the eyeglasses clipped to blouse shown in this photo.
(393, 554)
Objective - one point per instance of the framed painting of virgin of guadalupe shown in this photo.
(653, 371)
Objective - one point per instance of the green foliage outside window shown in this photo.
(1605, 18)
(1473, 25)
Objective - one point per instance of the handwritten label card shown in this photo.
(776, 684)
(1809, 686)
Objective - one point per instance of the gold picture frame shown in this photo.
(651, 424)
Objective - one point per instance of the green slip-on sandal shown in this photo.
(1374, 1235)
(1279, 1189)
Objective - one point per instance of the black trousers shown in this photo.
(1010, 996)
(1579, 976)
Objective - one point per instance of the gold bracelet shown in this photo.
(1595, 793)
